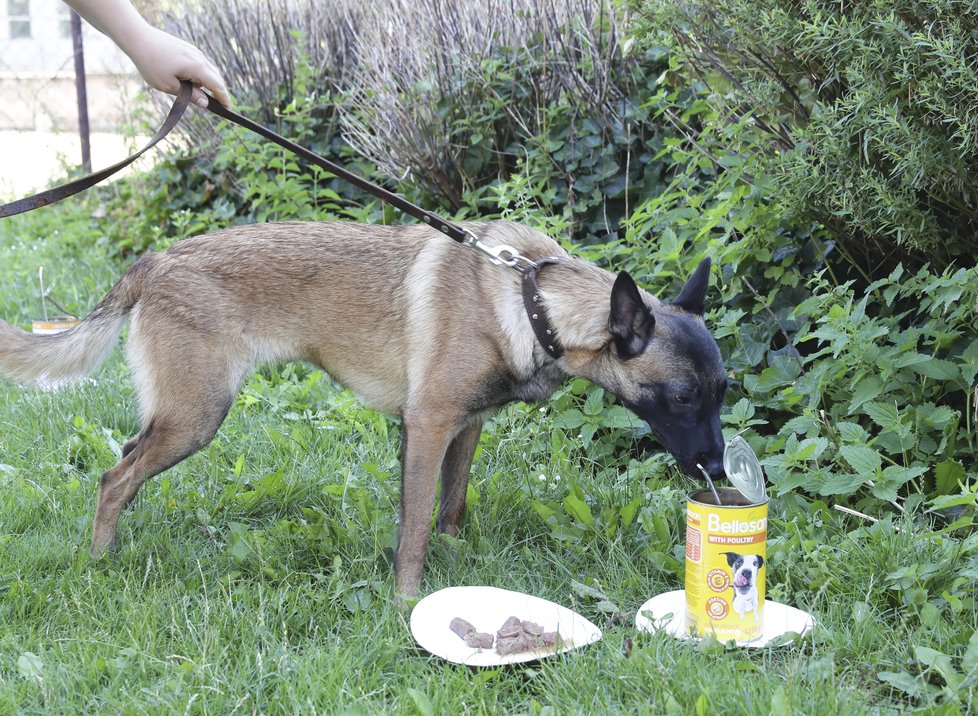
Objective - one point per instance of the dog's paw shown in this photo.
(106, 551)
(406, 602)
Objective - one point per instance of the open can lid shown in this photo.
(744, 470)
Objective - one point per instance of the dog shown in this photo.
(419, 326)
(744, 583)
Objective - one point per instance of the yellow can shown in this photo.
(726, 548)
(50, 326)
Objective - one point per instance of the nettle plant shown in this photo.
(884, 396)
(864, 392)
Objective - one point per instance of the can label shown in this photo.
(726, 549)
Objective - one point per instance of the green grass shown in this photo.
(255, 577)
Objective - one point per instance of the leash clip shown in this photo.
(501, 255)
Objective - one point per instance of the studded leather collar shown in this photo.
(536, 311)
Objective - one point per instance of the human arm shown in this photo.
(162, 59)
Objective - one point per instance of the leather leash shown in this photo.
(71, 188)
(180, 105)
(502, 255)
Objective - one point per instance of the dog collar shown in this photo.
(535, 310)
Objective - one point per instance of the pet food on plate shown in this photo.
(513, 637)
(486, 608)
(461, 627)
(516, 636)
(526, 642)
(479, 640)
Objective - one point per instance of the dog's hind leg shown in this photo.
(455, 478)
(185, 402)
(162, 444)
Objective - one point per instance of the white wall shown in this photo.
(37, 73)
(48, 50)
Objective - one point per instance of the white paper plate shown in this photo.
(486, 608)
(667, 612)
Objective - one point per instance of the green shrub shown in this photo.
(470, 96)
(884, 396)
(868, 109)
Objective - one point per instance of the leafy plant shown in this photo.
(865, 108)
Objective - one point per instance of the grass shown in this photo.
(255, 576)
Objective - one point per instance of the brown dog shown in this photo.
(417, 325)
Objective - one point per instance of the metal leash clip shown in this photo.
(501, 255)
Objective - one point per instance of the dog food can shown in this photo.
(50, 326)
(726, 547)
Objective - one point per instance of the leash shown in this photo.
(501, 255)
(71, 188)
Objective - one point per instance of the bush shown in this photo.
(868, 109)
(860, 393)
(475, 92)
(547, 89)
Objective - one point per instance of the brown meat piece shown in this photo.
(461, 627)
(479, 640)
(516, 636)
(551, 638)
(513, 645)
(512, 627)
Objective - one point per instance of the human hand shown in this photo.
(164, 60)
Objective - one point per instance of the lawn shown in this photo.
(255, 577)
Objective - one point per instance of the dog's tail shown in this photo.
(52, 360)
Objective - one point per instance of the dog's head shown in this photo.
(745, 568)
(664, 365)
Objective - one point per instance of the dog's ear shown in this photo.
(631, 322)
(693, 296)
(760, 561)
(732, 558)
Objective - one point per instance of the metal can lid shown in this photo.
(744, 470)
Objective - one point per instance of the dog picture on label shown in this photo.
(744, 573)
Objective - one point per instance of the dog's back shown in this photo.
(356, 300)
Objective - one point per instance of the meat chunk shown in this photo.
(479, 640)
(511, 628)
(461, 627)
(513, 645)
(516, 636)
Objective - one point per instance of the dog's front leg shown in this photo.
(455, 478)
(424, 443)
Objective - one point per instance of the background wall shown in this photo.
(37, 72)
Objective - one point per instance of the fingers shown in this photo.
(164, 60)
(199, 98)
(202, 72)
(207, 76)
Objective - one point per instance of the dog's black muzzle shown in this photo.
(694, 462)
